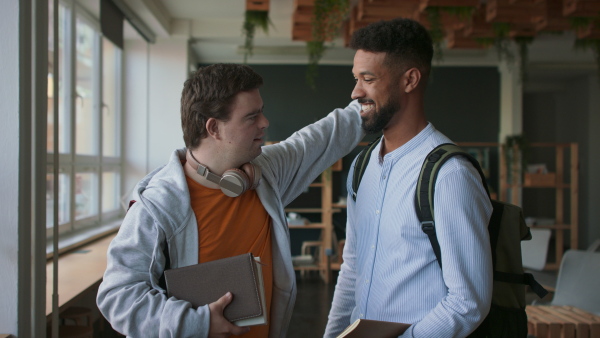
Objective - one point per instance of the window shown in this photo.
(89, 115)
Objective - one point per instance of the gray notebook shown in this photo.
(205, 283)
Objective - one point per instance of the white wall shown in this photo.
(153, 80)
(9, 161)
(135, 113)
(168, 72)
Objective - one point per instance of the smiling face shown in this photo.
(242, 135)
(375, 90)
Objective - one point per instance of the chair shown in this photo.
(578, 280)
(311, 249)
(534, 251)
(594, 246)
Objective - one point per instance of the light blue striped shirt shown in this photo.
(390, 272)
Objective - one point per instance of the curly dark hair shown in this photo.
(210, 93)
(406, 42)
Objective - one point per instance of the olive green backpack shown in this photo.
(507, 228)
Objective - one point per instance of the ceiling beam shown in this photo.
(153, 14)
(581, 8)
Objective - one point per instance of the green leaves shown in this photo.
(328, 16)
(253, 20)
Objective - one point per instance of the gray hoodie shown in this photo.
(130, 297)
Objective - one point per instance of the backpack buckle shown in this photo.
(428, 226)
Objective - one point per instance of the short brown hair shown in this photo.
(209, 94)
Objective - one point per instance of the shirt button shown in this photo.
(361, 315)
(377, 212)
(367, 281)
(384, 177)
(372, 246)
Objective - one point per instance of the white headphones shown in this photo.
(234, 182)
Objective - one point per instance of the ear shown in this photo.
(412, 78)
(212, 128)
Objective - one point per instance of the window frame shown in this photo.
(69, 162)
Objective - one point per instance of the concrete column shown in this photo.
(511, 100)
(9, 180)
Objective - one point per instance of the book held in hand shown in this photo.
(367, 328)
(205, 283)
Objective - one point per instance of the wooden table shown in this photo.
(561, 321)
(78, 271)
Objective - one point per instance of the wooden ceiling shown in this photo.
(524, 18)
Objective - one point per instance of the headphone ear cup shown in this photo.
(234, 182)
(254, 174)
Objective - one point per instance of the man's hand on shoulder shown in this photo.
(219, 325)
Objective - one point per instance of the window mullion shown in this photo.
(98, 115)
(71, 80)
(119, 103)
(85, 173)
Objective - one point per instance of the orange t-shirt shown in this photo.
(231, 226)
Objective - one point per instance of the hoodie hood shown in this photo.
(164, 193)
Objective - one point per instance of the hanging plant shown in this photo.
(328, 16)
(503, 43)
(485, 42)
(590, 44)
(436, 31)
(516, 152)
(587, 44)
(463, 13)
(523, 43)
(254, 19)
(315, 53)
(578, 23)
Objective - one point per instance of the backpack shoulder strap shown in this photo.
(362, 160)
(426, 188)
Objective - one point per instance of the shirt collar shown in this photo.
(408, 147)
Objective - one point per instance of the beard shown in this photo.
(375, 122)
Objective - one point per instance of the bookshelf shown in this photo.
(561, 180)
(323, 246)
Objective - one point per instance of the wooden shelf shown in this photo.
(326, 225)
(552, 266)
(537, 186)
(308, 226)
(310, 210)
(510, 191)
(335, 266)
(307, 268)
(340, 206)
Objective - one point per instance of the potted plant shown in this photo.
(516, 151)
